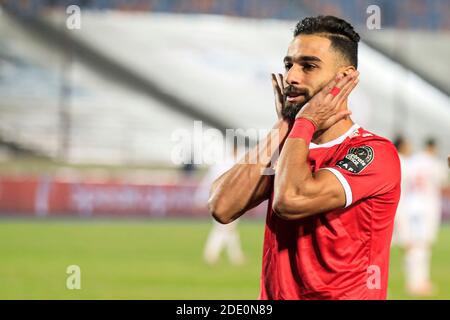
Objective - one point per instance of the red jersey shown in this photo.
(344, 253)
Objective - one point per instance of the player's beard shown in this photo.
(290, 110)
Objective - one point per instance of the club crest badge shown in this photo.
(356, 159)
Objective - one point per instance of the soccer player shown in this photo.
(420, 219)
(401, 225)
(333, 197)
(221, 236)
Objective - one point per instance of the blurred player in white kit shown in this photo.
(404, 149)
(221, 236)
(419, 214)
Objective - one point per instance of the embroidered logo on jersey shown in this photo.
(354, 134)
(356, 159)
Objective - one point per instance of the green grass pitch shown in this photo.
(148, 259)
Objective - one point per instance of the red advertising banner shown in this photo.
(44, 196)
(49, 196)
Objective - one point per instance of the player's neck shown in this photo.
(333, 132)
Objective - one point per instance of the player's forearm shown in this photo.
(290, 195)
(240, 189)
(298, 192)
(247, 183)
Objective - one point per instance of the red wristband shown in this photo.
(302, 129)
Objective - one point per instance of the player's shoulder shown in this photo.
(369, 148)
(361, 137)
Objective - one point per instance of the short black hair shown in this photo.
(430, 142)
(341, 34)
(399, 141)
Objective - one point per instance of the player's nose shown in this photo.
(293, 77)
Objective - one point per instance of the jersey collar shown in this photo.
(336, 141)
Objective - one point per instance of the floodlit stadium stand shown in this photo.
(219, 66)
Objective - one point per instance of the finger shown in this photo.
(342, 82)
(281, 81)
(275, 86)
(334, 95)
(330, 85)
(279, 98)
(345, 92)
(346, 79)
(279, 78)
(281, 86)
(347, 84)
(274, 80)
(337, 117)
(344, 113)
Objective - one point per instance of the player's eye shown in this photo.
(308, 67)
(287, 66)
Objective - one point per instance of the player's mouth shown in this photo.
(295, 97)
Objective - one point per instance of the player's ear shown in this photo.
(346, 70)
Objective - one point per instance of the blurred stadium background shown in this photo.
(88, 116)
